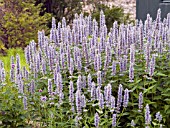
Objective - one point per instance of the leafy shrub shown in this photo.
(20, 22)
(111, 14)
(83, 77)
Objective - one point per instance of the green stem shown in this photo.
(120, 115)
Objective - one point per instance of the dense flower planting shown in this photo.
(84, 75)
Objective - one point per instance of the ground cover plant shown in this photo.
(84, 75)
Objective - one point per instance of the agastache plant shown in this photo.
(132, 63)
(93, 91)
(112, 103)
(108, 94)
(131, 73)
(147, 115)
(83, 101)
(78, 102)
(71, 92)
(32, 87)
(96, 120)
(87, 61)
(140, 101)
(79, 83)
(12, 70)
(119, 99)
(18, 67)
(114, 120)
(101, 101)
(25, 102)
(126, 98)
(50, 87)
(2, 75)
(99, 78)
(152, 66)
(98, 91)
(147, 55)
(113, 68)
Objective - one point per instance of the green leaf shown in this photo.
(147, 90)
(166, 107)
(160, 74)
(154, 123)
(103, 123)
(99, 111)
(86, 126)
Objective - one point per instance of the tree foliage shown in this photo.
(20, 22)
(61, 8)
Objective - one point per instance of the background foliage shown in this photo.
(61, 8)
(20, 22)
(111, 14)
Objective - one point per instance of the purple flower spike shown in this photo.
(83, 101)
(99, 78)
(32, 86)
(25, 102)
(113, 68)
(131, 73)
(112, 103)
(101, 101)
(93, 91)
(79, 83)
(119, 99)
(50, 87)
(78, 102)
(152, 66)
(108, 94)
(18, 66)
(98, 91)
(71, 92)
(132, 54)
(114, 120)
(126, 98)
(96, 120)
(140, 101)
(147, 115)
